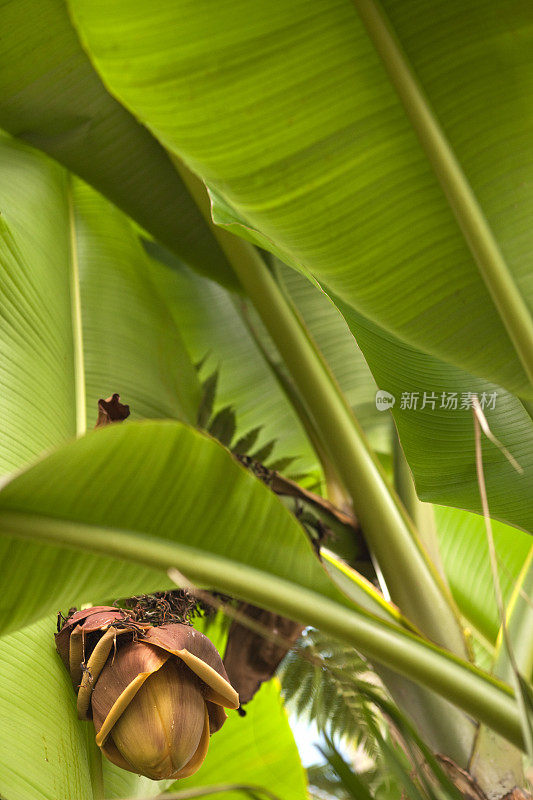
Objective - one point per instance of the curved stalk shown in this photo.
(462, 684)
(413, 582)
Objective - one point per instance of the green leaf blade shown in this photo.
(51, 97)
(38, 396)
(438, 441)
(85, 312)
(174, 484)
(324, 173)
(43, 754)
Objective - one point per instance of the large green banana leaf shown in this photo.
(51, 96)
(438, 438)
(437, 428)
(155, 478)
(287, 111)
(83, 312)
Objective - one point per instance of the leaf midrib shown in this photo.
(494, 270)
(76, 317)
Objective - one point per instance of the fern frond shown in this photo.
(320, 680)
(222, 425)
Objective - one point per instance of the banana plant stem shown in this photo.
(413, 582)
